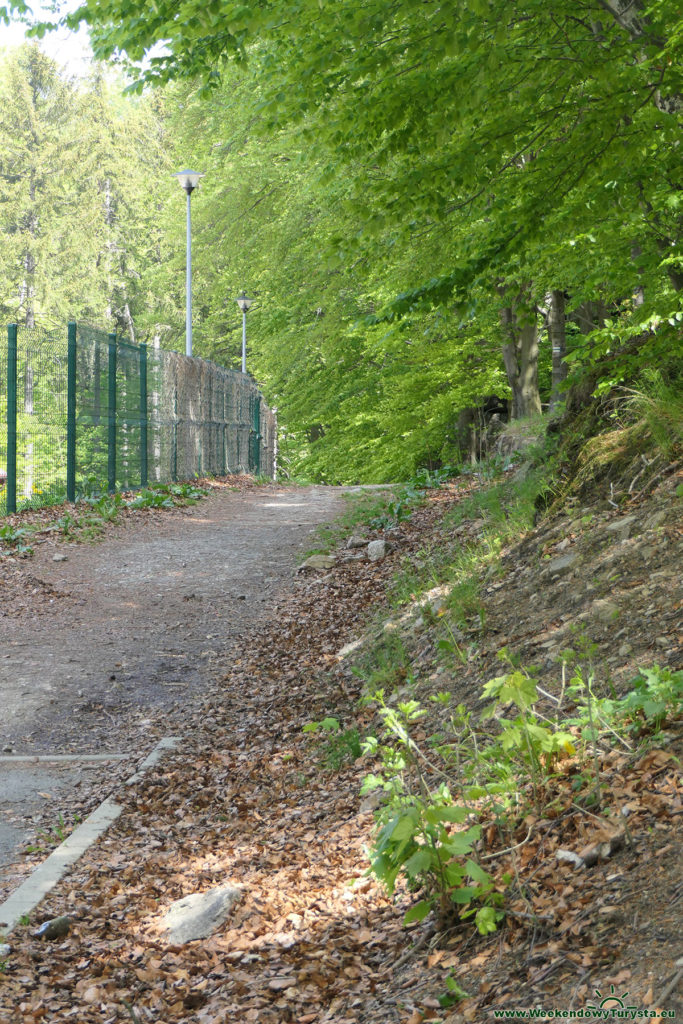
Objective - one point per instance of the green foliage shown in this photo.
(398, 510)
(428, 835)
(148, 498)
(416, 835)
(56, 834)
(387, 180)
(454, 992)
(531, 744)
(660, 404)
(657, 695)
(340, 746)
(14, 537)
(106, 506)
(79, 229)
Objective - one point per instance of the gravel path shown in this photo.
(127, 637)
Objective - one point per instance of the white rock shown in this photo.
(319, 562)
(349, 649)
(604, 611)
(356, 541)
(560, 564)
(377, 549)
(199, 915)
(59, 557)
(570, 857)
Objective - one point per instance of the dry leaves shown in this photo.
(246, 802)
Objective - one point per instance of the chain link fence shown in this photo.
(83, 412)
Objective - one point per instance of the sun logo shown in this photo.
(611, 1001)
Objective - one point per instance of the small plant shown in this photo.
(188, 494)
(417, 834)
(14, 536)
(47, 840)
(431, 478)
(453, 994)
(341, 745)
(657, 695)
(167, 496)
(68, 525)
(533, 743)
(396, 512)
(106, 506)
(148, 498)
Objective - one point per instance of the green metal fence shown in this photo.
(87, 412)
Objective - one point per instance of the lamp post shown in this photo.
(244, 303)
(188, 180)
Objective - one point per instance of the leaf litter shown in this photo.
(246, 801)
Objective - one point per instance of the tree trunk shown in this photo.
(558, 339)
(520, 356)
(466, 433)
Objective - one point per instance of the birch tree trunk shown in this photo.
(557, 336)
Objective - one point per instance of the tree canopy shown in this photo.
(416, 193)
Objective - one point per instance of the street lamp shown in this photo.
(244, 303)
(189, 181)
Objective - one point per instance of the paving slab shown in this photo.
(28, 895)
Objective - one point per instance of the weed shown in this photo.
(148, 498)
(56, 834)
(14, 536)
(417, 835)
(453, 994)
(106, 506)
(659, 404)
(342, 744)
(385, 665)
(68, 525)
(656, 696)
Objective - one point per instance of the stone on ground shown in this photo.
(199, 915)
(377, 549)
(319, 562)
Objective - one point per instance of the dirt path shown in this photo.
(119, 653)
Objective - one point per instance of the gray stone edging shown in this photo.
(46, 876)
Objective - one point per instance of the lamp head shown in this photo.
(243, 302)
(188, 179)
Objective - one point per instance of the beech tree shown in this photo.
(423, 196)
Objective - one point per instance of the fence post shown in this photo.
(71, 413)
(11, 484)
(143, 415)
(111, 436)
(257, 435)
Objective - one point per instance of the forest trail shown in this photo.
(106, 647)
(250, 799)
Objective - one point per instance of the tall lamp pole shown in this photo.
(188, 180)
(244, 303)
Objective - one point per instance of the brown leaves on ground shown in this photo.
(247, 801)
